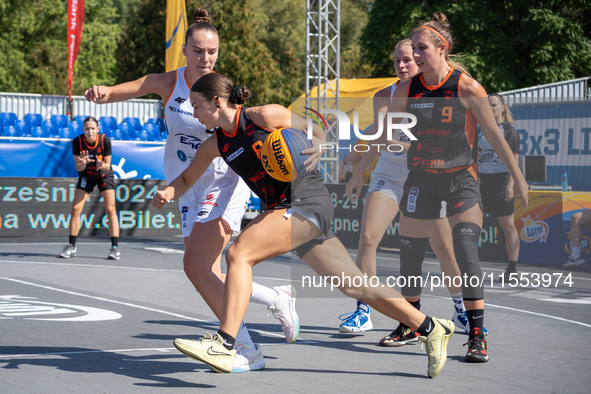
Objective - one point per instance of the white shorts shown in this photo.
(389, 179)
(227, 203)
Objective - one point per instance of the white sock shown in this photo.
(458, 300)
(576, 252)
(263, 295)
(243, 336)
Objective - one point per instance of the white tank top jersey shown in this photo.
(396, 158)
(186, 135)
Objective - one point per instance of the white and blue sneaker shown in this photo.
(460, 319)
(357, 321)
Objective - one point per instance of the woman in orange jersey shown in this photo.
(446, 103)
(92, 157)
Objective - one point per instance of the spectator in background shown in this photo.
(496, 183)
(92, 157)
(576, 221)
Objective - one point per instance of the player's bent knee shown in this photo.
(412, 253)
(465, 237)
(576, 218)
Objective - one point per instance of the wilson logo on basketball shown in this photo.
(279, 157)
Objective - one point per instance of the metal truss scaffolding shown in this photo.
(323, 71)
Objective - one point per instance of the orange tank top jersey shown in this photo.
(446, 131)
(100, 149)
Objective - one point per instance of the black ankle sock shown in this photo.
(229, 340)
(417, 305)
(115, 242)
(512, 267)
(476, 320)
(426, 326)
(73, 240)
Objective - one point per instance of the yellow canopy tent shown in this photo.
(355, 96)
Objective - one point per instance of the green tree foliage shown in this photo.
(280, 25)
(354, 18)
(505, 45)
(33, 46)
(243, 58)
(140, 48)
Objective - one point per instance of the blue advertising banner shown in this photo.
(52, 158)
(562, 133)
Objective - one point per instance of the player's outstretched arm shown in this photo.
(177, 188)
(161, 84)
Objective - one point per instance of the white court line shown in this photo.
(126, 268)
(522, 311)
(92, 243)
(157, 349)
(140, 307)
(88, 351)
(486, 268)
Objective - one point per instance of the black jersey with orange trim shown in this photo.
(446, 131)
(100, 149)
(241, 150)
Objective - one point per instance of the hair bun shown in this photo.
(201, 16)
(244, 94)
(441, 18)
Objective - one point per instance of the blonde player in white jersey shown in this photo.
(212, 210)
(381, 206)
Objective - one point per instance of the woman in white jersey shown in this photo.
(496, 183)
(381, 206)
(212, 210)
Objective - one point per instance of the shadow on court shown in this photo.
(85, 360)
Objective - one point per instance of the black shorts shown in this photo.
(87, 183)
(424, 191)
(311, 197)
(492, 189)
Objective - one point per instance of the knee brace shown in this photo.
(466, 236)
(412, 254)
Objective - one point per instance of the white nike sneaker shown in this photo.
(246, 359)
(285, 311)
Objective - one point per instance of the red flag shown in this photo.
(75, 24)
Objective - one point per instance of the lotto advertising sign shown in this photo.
(42, 206)
(544, 227)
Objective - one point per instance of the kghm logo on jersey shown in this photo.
(534, 230)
